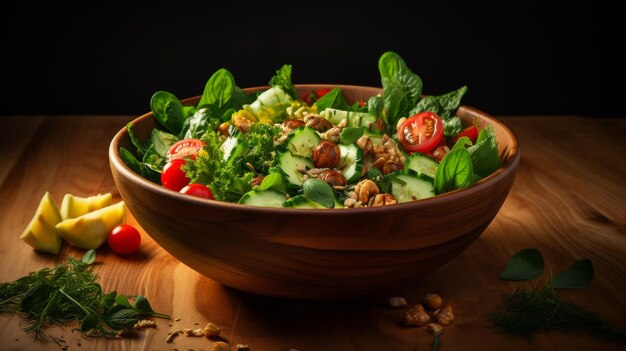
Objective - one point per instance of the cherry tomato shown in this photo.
(361, 103)
(185, 148)
(172, 177)
(124, 239)
(322, 92)
(199, 190)
(421, 132)
(470, 132)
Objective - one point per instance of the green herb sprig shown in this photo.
(536, 307)
(67, 293)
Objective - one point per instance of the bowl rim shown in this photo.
(508, 166)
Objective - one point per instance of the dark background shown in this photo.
(516, 58)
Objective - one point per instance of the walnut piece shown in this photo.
(445, 315)
(416, 316)
(318, 123)
(365, 189)
(383, 200)
(365, 144)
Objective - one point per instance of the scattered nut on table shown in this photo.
(144, 323)
(221, 346)
(433, 301)
(211, 330)
(434, 328)
(416, 316)
(397, 302)
(445, 315)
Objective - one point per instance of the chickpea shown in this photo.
(326, 155)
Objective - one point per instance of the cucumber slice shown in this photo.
(351, 162)
(263, 198)
(301, 202)
(302, 141)
(354, 119)
(408, 187)
(422, 165)
(293, 167)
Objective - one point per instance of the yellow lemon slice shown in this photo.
(40, 232)
(91, 230)
(74, 206)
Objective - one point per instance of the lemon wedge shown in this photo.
(91, 230)
(75, 206)
(40, 232)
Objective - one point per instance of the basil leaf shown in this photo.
(350, 134)
(162, 141)
(142, 305)
(120, 319)
(123, 301)
(524, 265)
(168, 111)
(218, 89)
(333, 99)
(320, 192)
(402, 88)
(273, 181)
(452, 126)
(462, 143)
(89, 257)
(485, 157)
(576, 276)
(454, 172)
(89, 322)
(282, 78)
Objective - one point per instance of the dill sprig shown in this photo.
(67, 293)
(535, 308)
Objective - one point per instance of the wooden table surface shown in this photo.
(569, 201)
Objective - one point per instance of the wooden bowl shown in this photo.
(298, 253)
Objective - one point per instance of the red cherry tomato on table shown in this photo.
(185, 148)
(421, 132)
(470, 132)
(199, 190)
(124, 239)
(172, 177)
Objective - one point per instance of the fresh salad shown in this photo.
(276, 149)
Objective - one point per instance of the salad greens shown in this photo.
(268, 148)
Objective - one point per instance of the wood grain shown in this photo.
(569, 201)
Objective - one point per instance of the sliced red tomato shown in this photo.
(421, 132)
(172, 177)
(470, 132)
(313, 95)
(185, 148)
(199, 190)
(124, 239)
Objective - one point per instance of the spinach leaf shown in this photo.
(524, 265)
(402, 88)
(454, 172)
(452, 126)
(319, 191)
(428, 103)
(153, 160)
(188, 111)
(206, 118)
(333, 99)
(162, 141)
(141, 148)
(350, 134)
(218, 89)
(139, 167)
(376, 106)
(577, 276)
(168, 111)
(451, 100)
(282, 78)
(485, 157)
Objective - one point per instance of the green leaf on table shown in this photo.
(524, 265)
(89, 257)
(576, 276)
(123, 301)
(88, 323)
(142, 304)
(120, 319)
(36, 295)
(107, 301)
